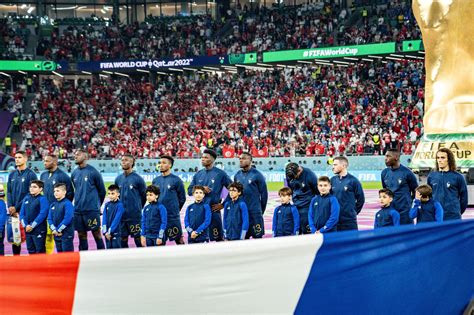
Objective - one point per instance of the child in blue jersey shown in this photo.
(198, 217)
(324, 209)
(424, 208)
(3, 219)
(33, 213)
(111, 218)
(60, 219)
(286, 219)
(236, 214)
(387, 216)
(154, 219)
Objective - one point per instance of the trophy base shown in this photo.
(461, 144)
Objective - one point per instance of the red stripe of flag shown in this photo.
(38, 283)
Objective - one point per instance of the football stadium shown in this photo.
(281, 157)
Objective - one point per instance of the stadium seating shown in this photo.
(298, 111)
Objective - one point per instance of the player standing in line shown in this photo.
(213, 180)
(349, 193)
(18, 186)
(89, 195)
(173, 197)
(255, 194)
(133, 197)
(402, 182)
(52, 176)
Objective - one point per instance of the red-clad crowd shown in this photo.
(242, 30)
(363, 108)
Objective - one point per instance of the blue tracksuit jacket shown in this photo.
(89, 189)
(113, 212)
(255, 192)
(197, 219)
(34, 211)
(215, 178)
(386, 217)
(286, 220)
(450, 190)
(402, 182)
(323, 213)
(429, 211)
(154, 221)
(56, 177)
(350, 195)
(172, 194)
(236, 219)
(132, 195)
(304, 188)
(18, 186)
(60, 216)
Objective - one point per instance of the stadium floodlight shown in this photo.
(212, 68)
(85, 72)
(108, 72)
(5, 74)
(22, 72)
(162, 73)
(372, 56)
(369, 60)
(144, 71)
(103, 75)
(190, 69)
(58, 74)
(350, 58)
(264, 64)
(306, 62)
(122, 74)
(342, 62)
(176, 69)
(393, 58)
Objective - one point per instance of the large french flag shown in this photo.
(425, 269)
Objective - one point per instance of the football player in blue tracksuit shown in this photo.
(173, 197)
(449, 187)
(324, 209)
(213, 180)
(154, 219)
(88, 197)
(388, 215)
(54, 175)
(133, 197)
(60, 219)
(18, 186)
(3, 219)
(286, 219)
(111, 218)
(236, 216)
(402, 182)
(255, 194)
(198, 217)
(348, 192)
(424, 208)
(51, 177)
(33, 213)
(304, 184)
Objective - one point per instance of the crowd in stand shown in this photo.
(239, 31)
(308, 110)
(13, 39)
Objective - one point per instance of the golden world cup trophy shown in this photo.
(447, 27)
